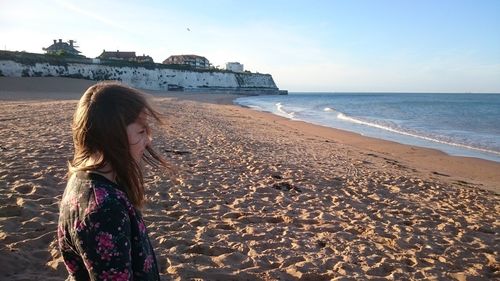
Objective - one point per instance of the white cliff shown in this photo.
(150, 78)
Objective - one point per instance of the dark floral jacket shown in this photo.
(101, 235)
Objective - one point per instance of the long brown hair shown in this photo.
(100, 132)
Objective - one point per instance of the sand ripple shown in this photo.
(254, 200)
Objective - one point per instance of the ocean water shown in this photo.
(458, 124)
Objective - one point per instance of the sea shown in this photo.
(462, 124)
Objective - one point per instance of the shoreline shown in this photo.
(372, 129)
(435, 162)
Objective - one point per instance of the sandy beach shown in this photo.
(257, 196)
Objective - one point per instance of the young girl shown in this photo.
(101, 233)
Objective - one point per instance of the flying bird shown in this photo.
(188, 29)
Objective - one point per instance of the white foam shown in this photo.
(279, 108)
(255, 107)
(342, 116)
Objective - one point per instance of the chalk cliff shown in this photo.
(150, 77)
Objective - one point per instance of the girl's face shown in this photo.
(139, 136)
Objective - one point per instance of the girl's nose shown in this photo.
(149, 135)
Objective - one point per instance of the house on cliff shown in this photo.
(116, 55)
(144, 59)
(126, 56)
(234, 66)
(60, 48)
(194, 61)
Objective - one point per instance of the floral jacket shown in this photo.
(101, 235)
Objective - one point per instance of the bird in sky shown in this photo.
(188, 29)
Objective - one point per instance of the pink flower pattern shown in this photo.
(105, 245)
(142, 227)
(109, 233)
(72, 266)
(148, 263)
(112, 275)
(100, 195)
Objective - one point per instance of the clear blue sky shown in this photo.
(344, 45)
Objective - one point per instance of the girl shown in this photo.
(101, 232)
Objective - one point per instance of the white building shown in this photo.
(234, 66)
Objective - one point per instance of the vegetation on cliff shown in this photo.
(64, 59)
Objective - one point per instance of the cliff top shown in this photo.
(33, 58)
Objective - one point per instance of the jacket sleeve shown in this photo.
(104, 242)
